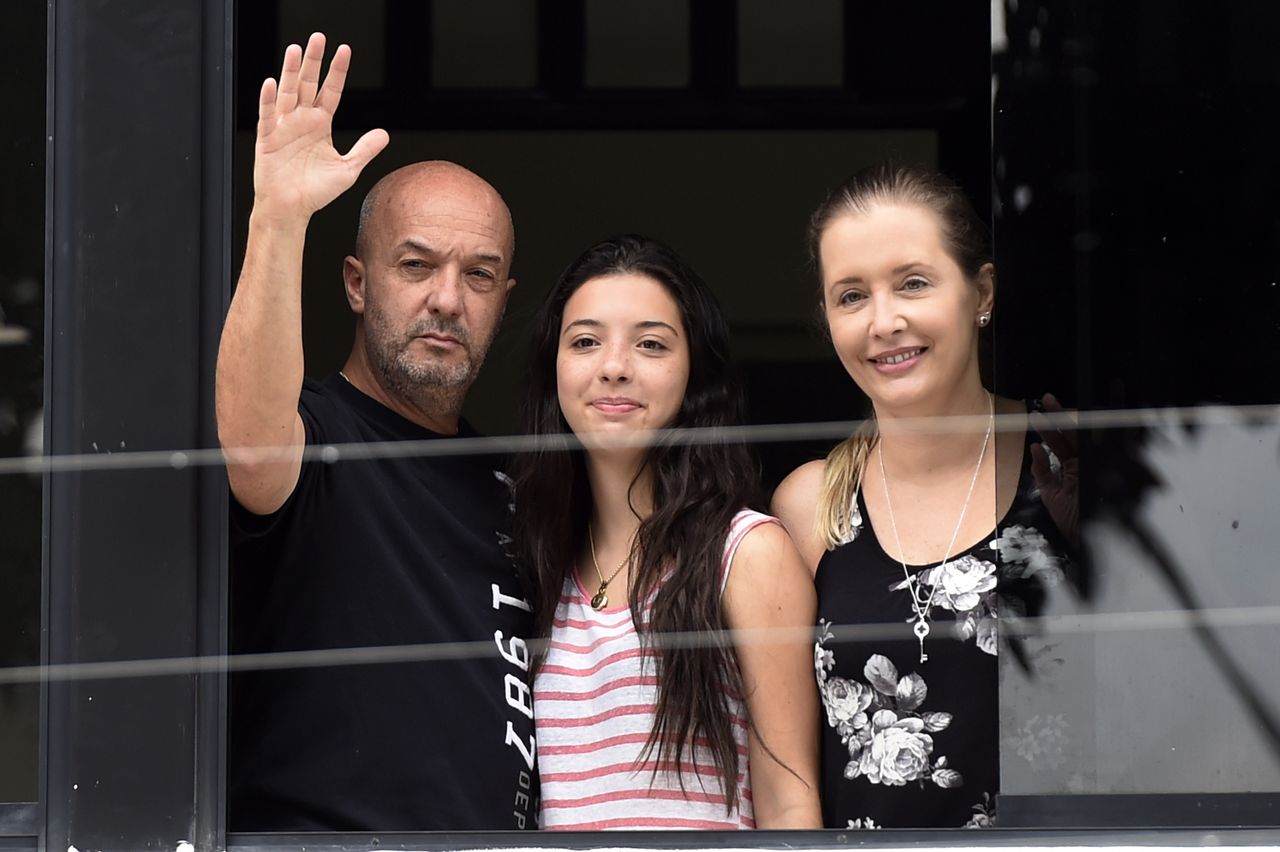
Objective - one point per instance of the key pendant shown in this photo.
(601, 600)
(921, 630)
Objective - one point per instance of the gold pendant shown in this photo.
(601, 600)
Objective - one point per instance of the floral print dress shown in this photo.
(911, 744)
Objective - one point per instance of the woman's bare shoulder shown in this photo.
(795, 503)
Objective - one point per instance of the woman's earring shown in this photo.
(984, 318)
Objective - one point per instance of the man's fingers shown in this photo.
(1073, 421)
(335, 81)
(1060, 494)
(1066, 423)
(1062, 444)
(309, 75)
(1042, 471)
(266, 107)
(366, 148)
(287, 98)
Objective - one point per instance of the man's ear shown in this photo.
(511, 282)
(986, 284)
(353, 281)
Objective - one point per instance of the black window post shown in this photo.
(137, 278)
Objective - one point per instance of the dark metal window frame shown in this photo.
(139, 215)
(562, 100)
(138, 209)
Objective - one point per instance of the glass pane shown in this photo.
(484, 43)
(637, 44)
(790, 44)
(1141, 283)
(22, 73)
(1173, 707)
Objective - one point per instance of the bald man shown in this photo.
(389, 552)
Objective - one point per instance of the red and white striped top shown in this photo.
(594, 701)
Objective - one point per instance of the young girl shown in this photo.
(640, 551)
(918, 532)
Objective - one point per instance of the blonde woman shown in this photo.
(918, 532)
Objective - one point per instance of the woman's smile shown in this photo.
(895, 362)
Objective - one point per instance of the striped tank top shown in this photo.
(594, 700)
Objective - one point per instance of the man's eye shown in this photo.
(482, 273)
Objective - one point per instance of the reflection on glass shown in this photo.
(1168, 681)
(21, 388)
(19, 627)
(1134, 290)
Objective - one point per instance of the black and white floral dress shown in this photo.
(911, 744)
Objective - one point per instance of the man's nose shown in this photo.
(445, 295)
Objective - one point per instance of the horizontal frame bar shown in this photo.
(1144, 810)
(821, 839)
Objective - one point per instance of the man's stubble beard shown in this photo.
(430, 386)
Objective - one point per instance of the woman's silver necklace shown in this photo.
(922, 601)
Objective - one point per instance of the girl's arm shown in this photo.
(771, 607)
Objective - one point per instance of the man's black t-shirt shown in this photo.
(371, 553)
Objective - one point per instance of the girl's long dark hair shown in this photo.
(697, 489)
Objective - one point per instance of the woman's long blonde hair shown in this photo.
(967, 240)
(841, 479)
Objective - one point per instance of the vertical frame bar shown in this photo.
(561, 48)
(713, 47)
(137, 270)
(218, 118)
(409, 27)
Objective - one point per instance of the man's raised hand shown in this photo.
(1059, 483)
(296, 169)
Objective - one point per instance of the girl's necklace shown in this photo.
(601, 600)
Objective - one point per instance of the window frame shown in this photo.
(152, 766)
